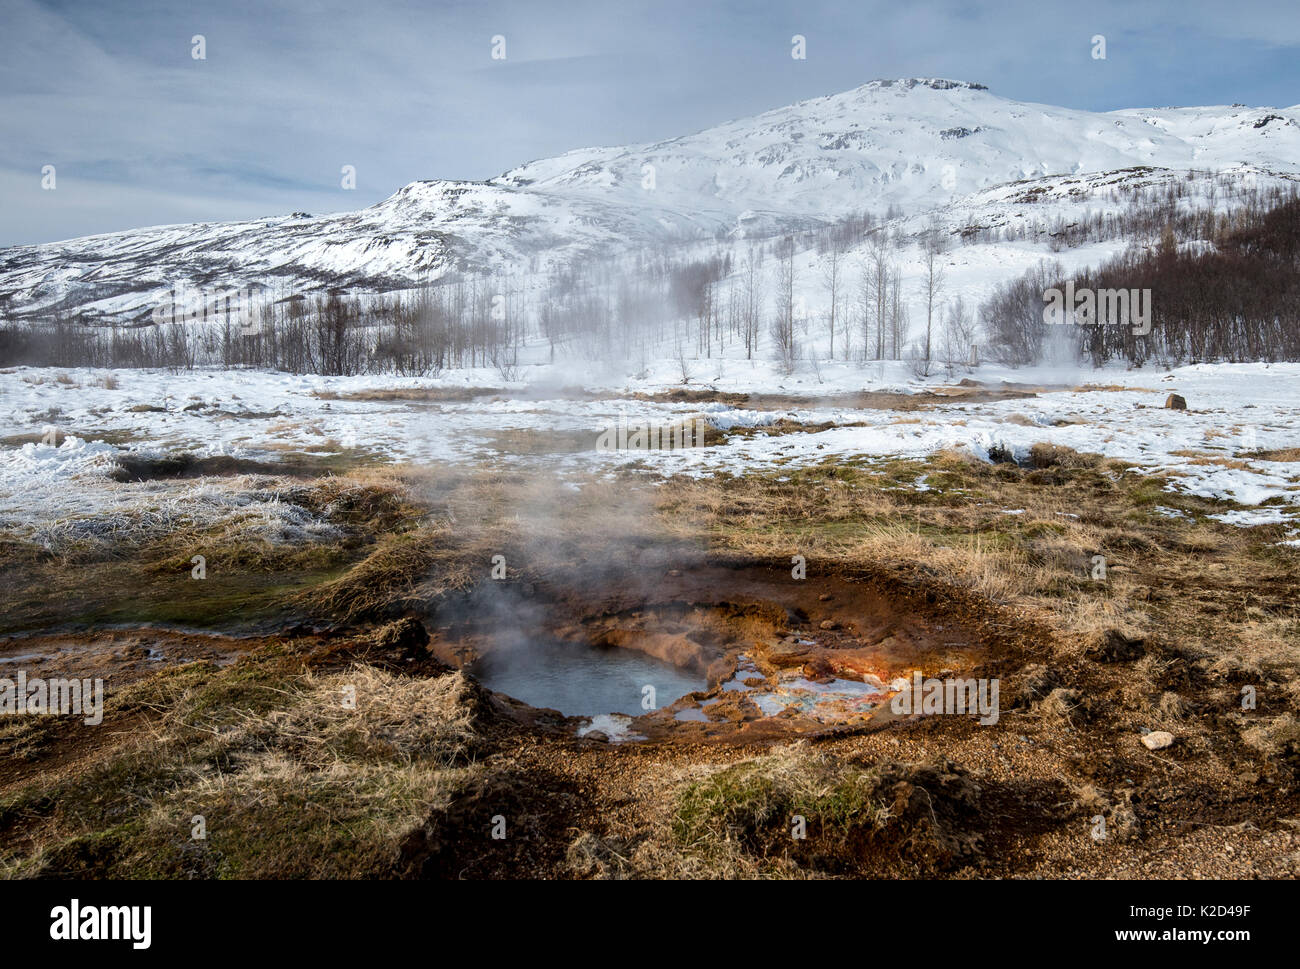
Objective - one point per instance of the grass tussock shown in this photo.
(1111, 818)
(823, 814)
(798, 813)
(1276, 738)
(402, 571)
(289, 773)
(1286, 454)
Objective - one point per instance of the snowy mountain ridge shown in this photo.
(918, 145)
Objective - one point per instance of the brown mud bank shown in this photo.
(117, 655)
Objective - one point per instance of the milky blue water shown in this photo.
(581, 680)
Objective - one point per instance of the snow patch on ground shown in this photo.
(1235, 411)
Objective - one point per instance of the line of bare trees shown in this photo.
(1233, 297)
(695, 306)
(700, 302)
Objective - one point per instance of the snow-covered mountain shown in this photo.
(923, 145)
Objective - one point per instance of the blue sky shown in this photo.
(140, 133)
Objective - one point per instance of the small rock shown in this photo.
(825, 597)
(818, 669)
(1158, 739)
(828, 624)
(1176, 402)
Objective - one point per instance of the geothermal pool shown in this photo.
(581, 680)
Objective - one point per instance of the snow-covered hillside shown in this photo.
(929, 148)
(913, 143)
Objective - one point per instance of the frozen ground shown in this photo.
(1234, 411)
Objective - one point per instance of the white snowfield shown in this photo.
(1234, 411)
(938, 150)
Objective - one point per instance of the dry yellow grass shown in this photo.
(310, 775)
